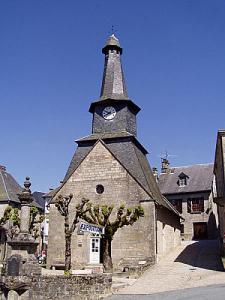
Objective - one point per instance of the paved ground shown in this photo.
(201, 293)
(193, 264)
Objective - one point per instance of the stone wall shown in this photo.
(219, 169)
(135, 246)
(168, 231)
(57, 287)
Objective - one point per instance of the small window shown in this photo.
(183, 180)
(177, 203)
(99, 189)
(195, 205)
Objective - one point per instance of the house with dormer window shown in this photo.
(189, 190)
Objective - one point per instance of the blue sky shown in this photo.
(51, 69)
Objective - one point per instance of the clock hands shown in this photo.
(109, 113)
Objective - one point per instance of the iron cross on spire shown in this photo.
(113, 30)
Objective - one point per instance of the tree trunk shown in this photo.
(68, 245)
(107, 259)
(68, 252)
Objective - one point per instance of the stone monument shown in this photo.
(24, 244)
(22, 263)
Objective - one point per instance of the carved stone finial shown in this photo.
(27, 184)
(25, 196)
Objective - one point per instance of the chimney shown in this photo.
(2, 168)
(165, 167)
(155, 173)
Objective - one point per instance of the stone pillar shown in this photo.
(2, 296)
(12, 295)
(25, 198)
(25, 218)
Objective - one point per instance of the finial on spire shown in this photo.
(112, 44)
(113, 30)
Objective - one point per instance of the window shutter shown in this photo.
(202, 205)
(189, 206)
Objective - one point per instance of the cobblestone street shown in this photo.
(192, 264)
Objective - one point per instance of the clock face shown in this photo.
(109, 113)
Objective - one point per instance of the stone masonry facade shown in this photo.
(219, 191)
(119, 187)
(208, 216)
(168, 232)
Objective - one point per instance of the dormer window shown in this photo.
(183, 180)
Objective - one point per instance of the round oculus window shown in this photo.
(99, 189)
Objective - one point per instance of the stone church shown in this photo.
(110, 166)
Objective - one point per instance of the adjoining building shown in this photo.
(39, 199)
(111, 166)
(189, 190)
(219, 193)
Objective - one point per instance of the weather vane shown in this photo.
(166, 155)
(113, 30)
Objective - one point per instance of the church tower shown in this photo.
(114, 111)
(110, 166)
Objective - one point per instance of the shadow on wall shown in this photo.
(206, 230)
(203, 254)
(213, 232)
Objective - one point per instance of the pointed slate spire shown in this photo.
(113, 83)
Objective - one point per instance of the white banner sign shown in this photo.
(91, 228)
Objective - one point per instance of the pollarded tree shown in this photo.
(62, 204)
(104, 216)
(11, 221)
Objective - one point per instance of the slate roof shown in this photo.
(136, 163)
(113, 82)
(51, 194)
(80, 153)
(107, 135)
(200, 179)
(84, 148)
(132, 159)
(9, 188)
(39, 200)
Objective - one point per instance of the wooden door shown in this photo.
(200, 230)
